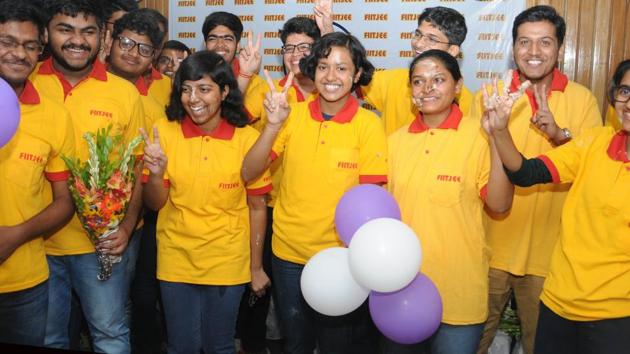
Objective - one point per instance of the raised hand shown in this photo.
(275, 103)
(324, 16)
(154, 158)
(249, 58)
(106, 46)
(499, 107)
(543, 118)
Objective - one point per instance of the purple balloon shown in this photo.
(409, 315)
(360, 205)
(10, 111)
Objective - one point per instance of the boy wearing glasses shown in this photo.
(389, 92)
(29, 163)
(95, 99)
(173, 53)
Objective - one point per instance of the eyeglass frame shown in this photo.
(285, 48)
(416, 34)
(135, 44)
(15, 44)
(615, 93)
(170, 60)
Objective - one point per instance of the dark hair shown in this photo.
(222, 18)
(73, 8)
(449, 21)
(140, 23)
(449, 62)
(159, 20)
(176, 45)
(111, 6)
(302, 25)
(537, 14)
(321, 49)
(620, 71)
(22, 12)
(212, 65)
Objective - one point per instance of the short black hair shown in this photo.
(157, 16)
(537, 14)
(111, 6)
(177, 45)
(301, 25)
(222, 18)
(23, 12)
(140, 23)
(73, 8)
(449, 21)
(620, 71)
(449, 62)
(321, 49)
(212, 65)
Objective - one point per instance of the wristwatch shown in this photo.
(566, 134)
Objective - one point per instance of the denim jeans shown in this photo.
(200, 317)
(304, 329)
(103, 302)
(558, 335)
(449, 339)
(23, 316)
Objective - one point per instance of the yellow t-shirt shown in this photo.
(522, 240)
(96, 102)
(390, 93)
(153, 110)
(203, 230)
(160, 88)
(611, 118)
(254, 102)
(589, 277)
(27, 162)
(322, 159)
(439, 177)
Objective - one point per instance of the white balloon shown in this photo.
(328, 286)
(384, 255)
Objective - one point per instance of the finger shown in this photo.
(495, 86)
(486, 97)
(145, 136)
(258, 42)
(508, 81)
(269, 80)
(543, 98)
(156, 135)
(287, 84)
(537, 96)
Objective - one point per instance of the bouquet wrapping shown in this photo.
(101, 188)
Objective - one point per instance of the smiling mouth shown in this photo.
(534, 62)
(331, 87)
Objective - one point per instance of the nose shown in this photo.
(533, 48)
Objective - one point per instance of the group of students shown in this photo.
(241, 176)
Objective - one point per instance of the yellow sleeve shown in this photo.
(63, 143)
(483, 166)
(262, 184)
(253, 102)
(591, 116)
(564, 161)
(375, 93)
(372, 150)
(137, 120)
(283, 136)
(465, 101)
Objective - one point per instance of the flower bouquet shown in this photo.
(101, 188)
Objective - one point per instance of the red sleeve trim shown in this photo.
(372, 179)
(483, 193)
(57, 176)
(260, 191)
(273, 155)
(555, 175)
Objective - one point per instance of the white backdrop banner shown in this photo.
(384, 27)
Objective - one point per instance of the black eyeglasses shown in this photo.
(428, 38)
(622, 94)
(166, 61)
(301, 47)
(128, 44)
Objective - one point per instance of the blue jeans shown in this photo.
(200, 317)
(23, 316)
(449, 339)
(103, 302)
(304, 329)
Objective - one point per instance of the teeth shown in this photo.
(331, 87)
(534, 62)
(197, 109)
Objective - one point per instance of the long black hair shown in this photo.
(213, 66)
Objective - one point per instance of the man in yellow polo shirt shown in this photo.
(29, 161)
(548, 115)
(389, 92)
(95, 99)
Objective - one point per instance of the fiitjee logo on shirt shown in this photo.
(449, 178)
(104, 114)
(346, 165)
(229, 185)
(26, 156)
